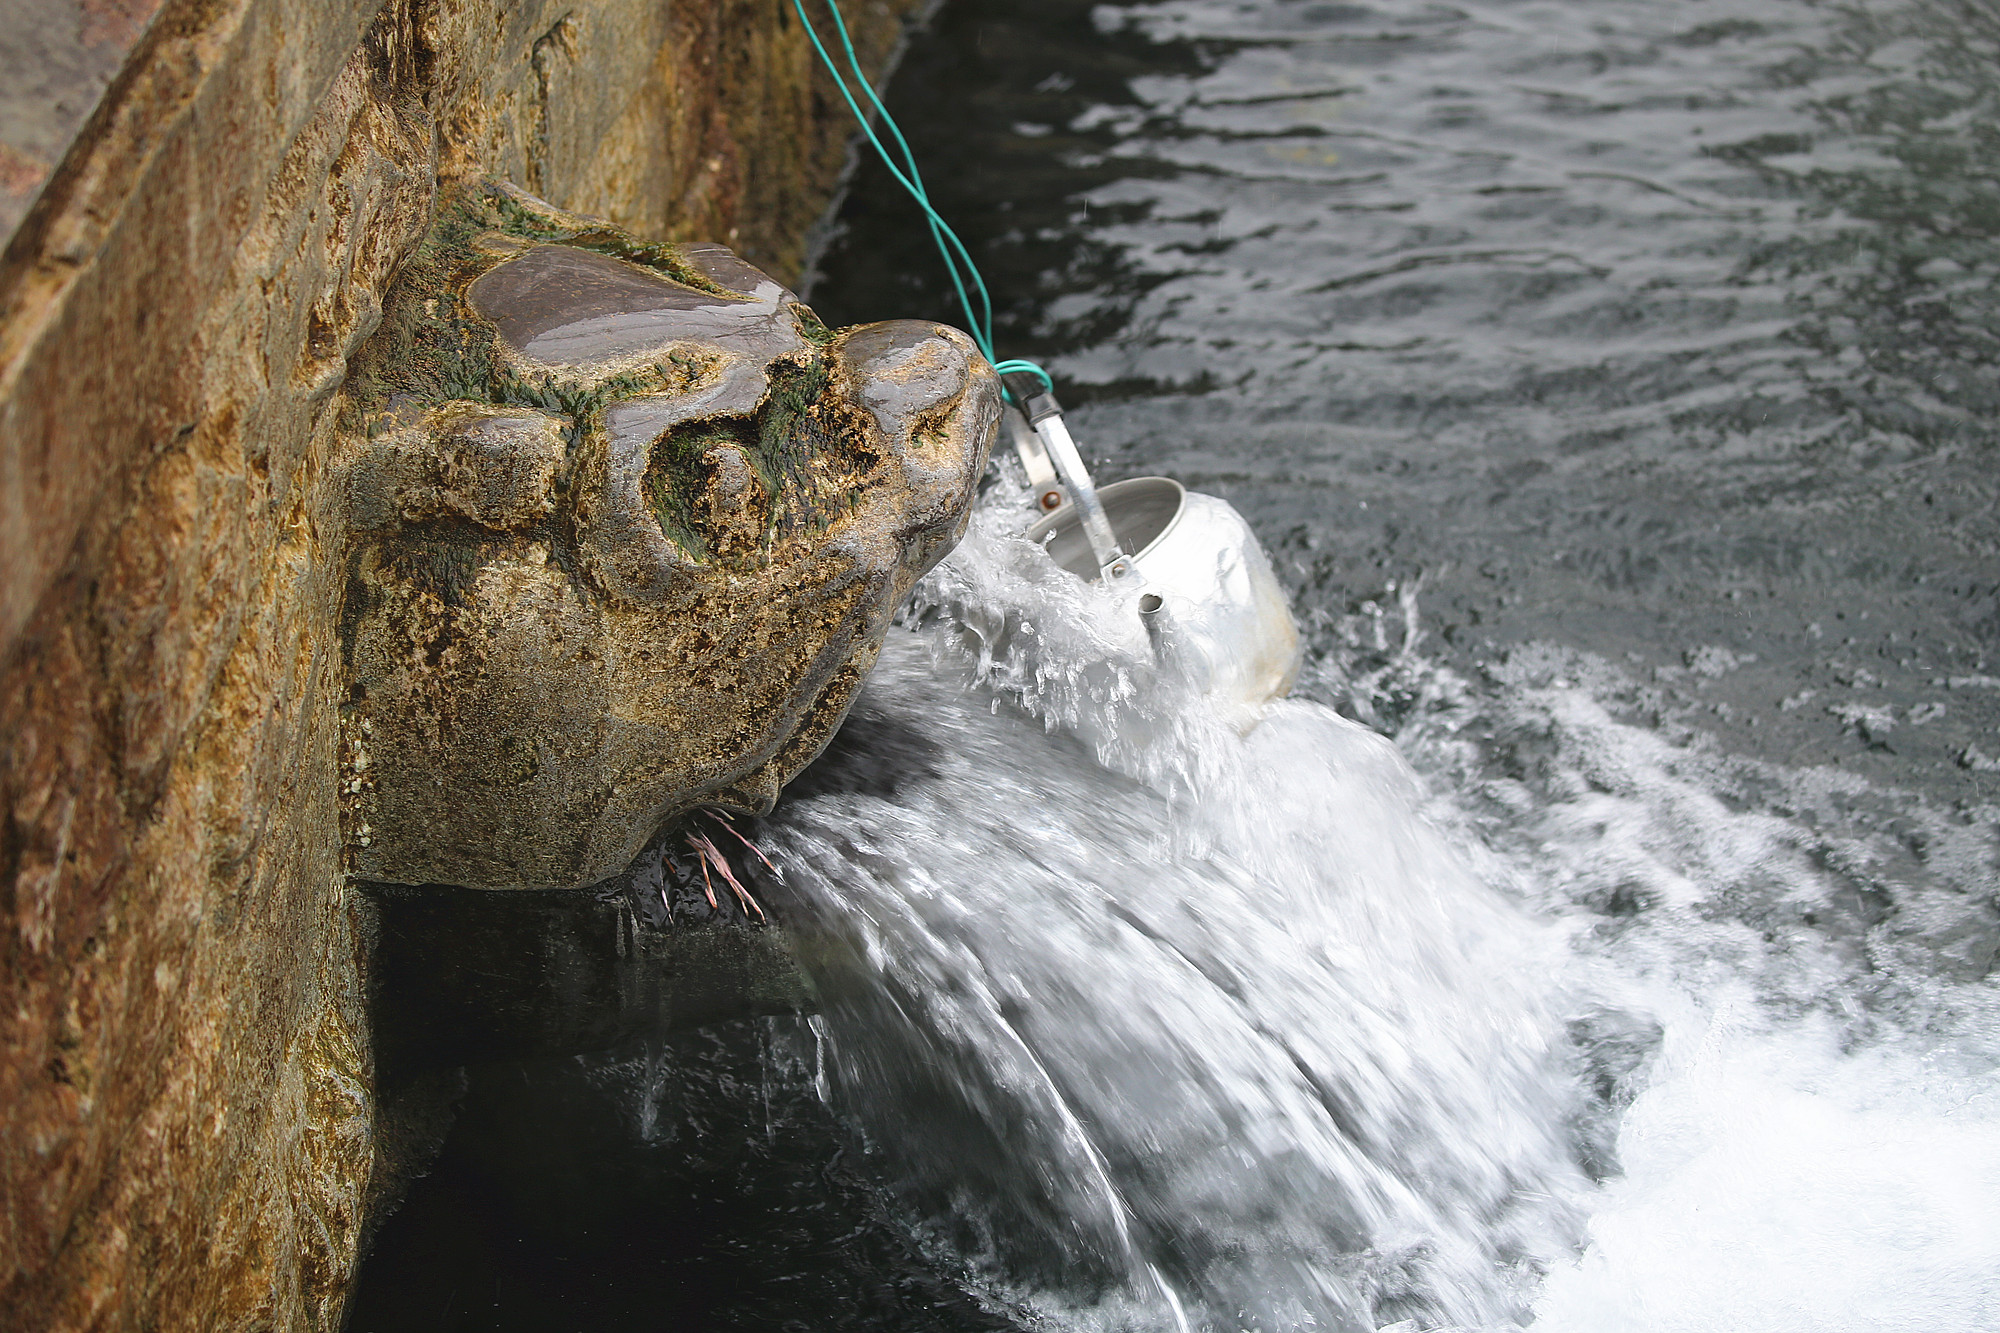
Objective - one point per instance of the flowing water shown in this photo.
(1603, 936)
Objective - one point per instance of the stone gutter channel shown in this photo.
(430, 528)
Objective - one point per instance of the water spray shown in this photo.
(1186, 567)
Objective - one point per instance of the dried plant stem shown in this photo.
(724, 821)
(713, 854)
(707, 887)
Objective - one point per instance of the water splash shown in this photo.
(1773, 1181)
(1225, 1010)
(1143, 1012)
(1640, 327)
(1813, 1147)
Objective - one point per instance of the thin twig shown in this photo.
(749, 904)
(753, 847)
(707, 887)
(710, 852)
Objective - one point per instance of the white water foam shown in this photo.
(1226, 1010)
(1817, 1144)
(1251, 1026)
(1773, 1182)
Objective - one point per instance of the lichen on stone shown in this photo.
(632, 525)
(431, 346)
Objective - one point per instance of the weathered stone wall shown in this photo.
(186, 1116)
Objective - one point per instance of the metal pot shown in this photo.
(1205, 591)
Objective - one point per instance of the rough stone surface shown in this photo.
(56, 60)
(185, 1058)
(553, 651)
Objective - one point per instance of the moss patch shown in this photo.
(517, 217)
(428, 346)
(677, 472)
(799, 437)
(442, 558)
(799, 445)
(809, 325)
(432, 347)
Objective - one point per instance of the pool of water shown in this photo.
(1644, 328)
(1604, 939)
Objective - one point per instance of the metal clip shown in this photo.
(1045, 416)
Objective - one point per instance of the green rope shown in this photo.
(1025, 368)
(965, 278)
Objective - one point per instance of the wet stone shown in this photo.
(494, 467)
(562, 306)
(905, 370)
(627, 547)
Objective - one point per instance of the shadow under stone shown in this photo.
(460, 976)
(694, 1182)
(598, 1110)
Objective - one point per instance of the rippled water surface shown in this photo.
(1604, 937)
(1645, 328)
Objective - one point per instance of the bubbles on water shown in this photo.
(1813, 1145)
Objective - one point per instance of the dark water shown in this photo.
(1642, 328)
(1617, 387)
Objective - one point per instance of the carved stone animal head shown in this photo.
(630, 525)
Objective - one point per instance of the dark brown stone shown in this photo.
(559, 306)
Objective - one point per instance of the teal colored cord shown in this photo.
(1018, 367)
(958, 263)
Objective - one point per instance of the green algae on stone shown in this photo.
(648, 530)
(433, 347)
(794, 447)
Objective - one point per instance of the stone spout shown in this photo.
(630, 526)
